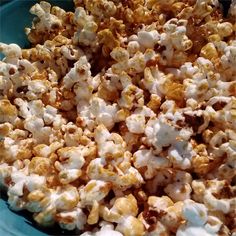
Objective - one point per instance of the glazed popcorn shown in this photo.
(121, 118)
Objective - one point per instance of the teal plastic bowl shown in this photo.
(14, 17)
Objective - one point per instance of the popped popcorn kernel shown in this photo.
(8, 112)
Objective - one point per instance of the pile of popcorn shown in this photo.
(121, 118)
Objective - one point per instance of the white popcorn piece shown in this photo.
(109, 144)
(37, 88)
(71, 162)
(72, 134)
(16, 203)
(148, 39)
(103, 113)
(80, 72)
(154, 81)
(181, 154)
(161, 133)
(47, 21)
(20, 181)
(229, 57)
(136, 123)
(174, 37)
(71, 220)
(86, 34)
(232, 9)
(196, 216)
(71, 52)
(131, 226)
(195, 213)
(48, 202)
(33, 124)
(133, 47)
(216, 204)
(49, 114)
(5, 172)
(145, 158)
(14, 149)
(12, 52)
(105, 230)
(178, 191)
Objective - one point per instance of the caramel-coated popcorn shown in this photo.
(121, 118)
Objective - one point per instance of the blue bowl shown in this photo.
(14, 17)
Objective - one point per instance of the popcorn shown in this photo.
(46, 22)
(209, 192)
(232, 9)
(131, 226)
(225, 29)
(32, 124)
(162, 211)
(16, 149)
(202, 8)
(174, 38)
(123, 176)
(80, 72)
(5, 173)
(105, 230)
(229, 58)
(136, 123)
(94, 214)
(159, 128)
(101, 9)
(209, 51)
(104, 113)
(71, 162)
(145, 158)
(11, 51)
(120, 119)
(72, 135)
(72, 219)
(86, 34)
(128, 225)
(8, 112)
(178, 191)
(196, 216)
(181, 154)
(109, 144)
(53, 201)
(95, 190)
(148, 39)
